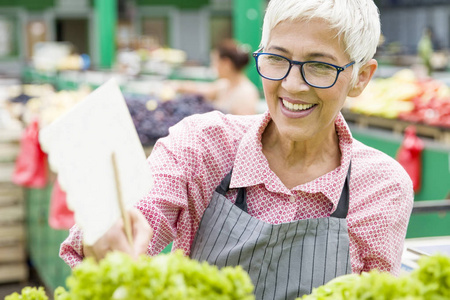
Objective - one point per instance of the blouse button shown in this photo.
(292, 198)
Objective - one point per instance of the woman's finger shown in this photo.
(117, 239)
(88, 251)
(142, 232)
(113, 240)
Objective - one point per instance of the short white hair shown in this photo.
(357, 22)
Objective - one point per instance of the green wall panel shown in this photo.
(183, 4)
(106, 13)
(10, 2)
(13, 38)
(429, 224)
(29, 4)
(247, 25)
(43, 242)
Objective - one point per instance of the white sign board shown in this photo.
(80, 145)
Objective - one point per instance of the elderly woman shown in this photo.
(289, 195)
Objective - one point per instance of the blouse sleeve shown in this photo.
(380, 223)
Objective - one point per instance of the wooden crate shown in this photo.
(12, 253)
(6, 171)
(9, 151)
(12, 233)
(10, 136)
(12, 214)
(13, 272)
(435, 133)
(13, 266)
(11, 199)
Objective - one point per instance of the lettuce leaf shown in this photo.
(431, 280)
(166, 276)
(29, 293)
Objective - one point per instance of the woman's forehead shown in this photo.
(313, 36)
(317, 25)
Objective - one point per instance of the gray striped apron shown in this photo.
(284, 261)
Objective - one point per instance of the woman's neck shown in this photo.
(302, 155)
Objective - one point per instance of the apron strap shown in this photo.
(342, 207)
(224, 187)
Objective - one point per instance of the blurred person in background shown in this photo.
(232, 92)
(425, 49)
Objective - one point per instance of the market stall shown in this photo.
(154, 109)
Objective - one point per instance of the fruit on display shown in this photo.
(432, 106)
(169, 55)
(13, 100)
(162, 277)
(406, 97)
(74, 62)
(153, 116)
(24, 92)
(49, 107)
(431, 280)
(386, 97)
(53, 56)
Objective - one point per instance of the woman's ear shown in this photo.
(364, 75)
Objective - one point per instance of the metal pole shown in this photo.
(247, 25)
(106, 16)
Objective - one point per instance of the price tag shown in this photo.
(80, 144)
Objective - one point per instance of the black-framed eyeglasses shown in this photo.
(317, 74)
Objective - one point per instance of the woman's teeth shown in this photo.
(296, 107)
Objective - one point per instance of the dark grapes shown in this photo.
(154, 124)
(22, 98)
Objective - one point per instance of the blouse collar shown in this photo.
(252, 168)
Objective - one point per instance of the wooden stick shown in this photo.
(125, 217)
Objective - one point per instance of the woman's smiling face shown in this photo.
(318, 108)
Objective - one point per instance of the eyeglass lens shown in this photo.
(315, 73)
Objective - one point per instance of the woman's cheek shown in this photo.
(270, 88)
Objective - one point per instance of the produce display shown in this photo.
(430, 281)
(174, 276)
(13, 100)
(31, 102)
(153, 116)
(163, 277)
(52, 56)
(406, 97)
(48, 108)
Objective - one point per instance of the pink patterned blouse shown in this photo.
(190, 163)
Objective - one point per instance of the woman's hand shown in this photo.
(115, 238)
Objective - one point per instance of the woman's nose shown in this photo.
(294, 81)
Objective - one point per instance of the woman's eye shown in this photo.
(319, 67)
(273, 58)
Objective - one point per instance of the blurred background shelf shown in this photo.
(13, 258)
(397, 127)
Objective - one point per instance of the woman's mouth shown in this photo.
(296, 107)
